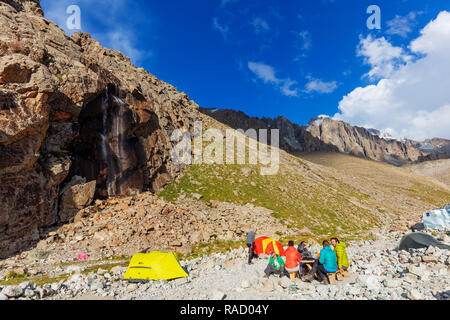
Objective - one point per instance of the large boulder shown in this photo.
(76, 195)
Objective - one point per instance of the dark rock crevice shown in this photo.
(106, 149)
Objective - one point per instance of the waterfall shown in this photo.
(111, 139)
(119, 133)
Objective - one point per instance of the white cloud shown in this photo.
(223, 29)
(287, 90)
(320, 86)
(263, 71)
(402, 26)
(267, 74)
(260, 25)
(303, 42)
(305, 39)
(381, 55)
(121, 40)
(414, 100)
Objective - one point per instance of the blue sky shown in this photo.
(293, 58)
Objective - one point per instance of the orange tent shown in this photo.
(266, 245)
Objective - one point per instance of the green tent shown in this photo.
(417, 240)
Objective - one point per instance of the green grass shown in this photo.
(13, 279)
(323, 208)
(216, 246)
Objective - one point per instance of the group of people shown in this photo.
(332, 258)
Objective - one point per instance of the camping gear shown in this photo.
(266, 245)
(418, 227)
(417, 240)
(437, 218)
(82, 256)
(155, 265)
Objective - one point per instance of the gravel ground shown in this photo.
(378, 271)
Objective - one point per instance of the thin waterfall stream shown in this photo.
(111, 139)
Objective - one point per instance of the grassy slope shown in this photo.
(438, 169)
(330, 194)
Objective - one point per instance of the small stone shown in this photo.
(20, 271)
(101, 271)
(197, 196)
(79, 236)
(246, 171)
(180, 281)
(3, 297)
(41, 292)
(392, 283)
(415, 260)
(55, 286)
(268, 286)
(217, 295)
(245, 284)
(411, 276)
(29, 293)
(284, 282)
(13, 291)
(97, 285)
(414, 294)
(73, 269)
(132, 287)
(117, 270)
(429, 259)
(75, 278)
(368, 281)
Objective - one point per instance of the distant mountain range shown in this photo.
(326, 134)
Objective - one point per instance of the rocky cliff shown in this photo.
(327, 135)
(436, 147)
(77, 121)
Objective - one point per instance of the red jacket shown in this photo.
(293, 258)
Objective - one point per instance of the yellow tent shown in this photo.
(155, 265)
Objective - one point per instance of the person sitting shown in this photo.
(250, 241)
(305, 254)
(276, 265)
(341, 255)
(293, 260)
(326, 263)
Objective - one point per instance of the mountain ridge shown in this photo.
(325, 134)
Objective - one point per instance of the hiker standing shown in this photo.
(276, 265)
(250, 241)
(326, 263)
(293, 260)
(341, 254)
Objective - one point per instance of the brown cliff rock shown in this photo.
(50, 129)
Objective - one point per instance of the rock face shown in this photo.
(65, 103)
(327, 135)
(439, 148)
